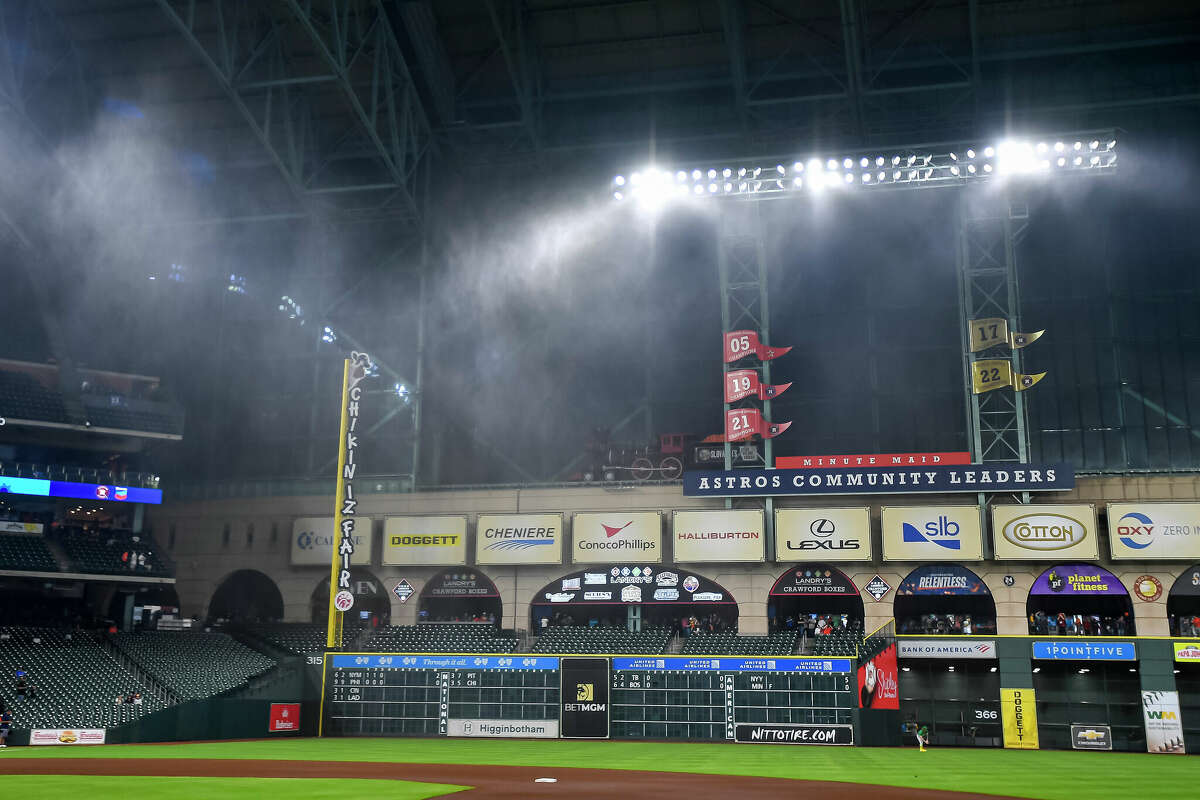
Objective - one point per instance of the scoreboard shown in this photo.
(745, 699)
(420, 695)
(785, 700)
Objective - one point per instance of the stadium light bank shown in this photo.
(919, 167)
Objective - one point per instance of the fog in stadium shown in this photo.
(631, 384)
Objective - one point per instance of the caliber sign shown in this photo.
(823, 534)
(1044, 532)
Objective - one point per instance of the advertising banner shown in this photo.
(821, 666)
(519, 539)
(814, 579)
(20, 527)
(425, 541)
(821, 534)
(503, 728)
(1077, 579)
(38, 487)
(633, 584)
(616, 537)
(1045, 532)
(459, 583)
(932, 533)
(1154, 531)
(39, 736)
(312, 542)
(584, 693)
(1091, 737)
(941, 648)
(939, 479)
(878, 681)
(284, 717)
(1187, 651)
(718, 536)
(775, 733)
(873, 460)
(1066, 650)
(945, 579)
(1018, 715)
(1164, 726)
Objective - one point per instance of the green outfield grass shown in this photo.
(1042, 774)
(224, 788)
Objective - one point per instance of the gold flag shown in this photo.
(993, 332)
(997, 373)
(1018, 716)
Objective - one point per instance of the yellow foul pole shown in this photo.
(333, 636)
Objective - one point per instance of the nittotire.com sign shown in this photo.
(751, 733)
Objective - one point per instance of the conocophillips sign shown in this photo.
(1044, 532)
(616, 537)
(937, 648)
(312, 542)
(823, 534)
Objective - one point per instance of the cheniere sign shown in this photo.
(970, 478)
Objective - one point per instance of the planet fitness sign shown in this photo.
(1077, 579)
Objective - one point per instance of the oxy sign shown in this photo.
(1044, 532)
(1154, 531)
(823, 534)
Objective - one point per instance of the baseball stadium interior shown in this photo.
(708, 370)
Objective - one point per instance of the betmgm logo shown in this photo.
(585, 699)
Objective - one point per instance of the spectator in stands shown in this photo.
(22, 686)
(137, 698)
(6, 721)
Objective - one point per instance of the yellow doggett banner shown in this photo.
(1018, 712)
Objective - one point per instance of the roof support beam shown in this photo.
(733, 19)
(517, 64)
(851, 47)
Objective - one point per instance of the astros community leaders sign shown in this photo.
(427, 541)
(880, 480)
(518, 539)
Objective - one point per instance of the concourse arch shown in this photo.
(633, 598)
(246, 595)
(371, 603)
(1183, 603)
(810, 592)
(944, 599)
(1068, 596)
(459, 594)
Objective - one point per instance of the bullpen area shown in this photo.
(422, 768)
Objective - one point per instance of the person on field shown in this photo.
(923, 737)
(6, 721)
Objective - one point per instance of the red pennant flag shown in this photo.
(742, 383)
(739, 344)
(742, 423)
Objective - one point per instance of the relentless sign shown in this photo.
(944, 648)
(1066, 650)
(814, 579)
(823, 534)
(944, 579)
(312, 542)
(1154, 531)
(940, 479)
(878, 588)
(585, 706)
(1164, 726)
(1018, 713)
(1044, 532)
(1091, 737)
(616, 537)
(425, 541)
(776, 733)
(518, 539)
(721, 536)
(924, 533)
(503, 728)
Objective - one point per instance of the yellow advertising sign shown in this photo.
(1154, 531)
(1187, 651)
(425, 541)
(1018, 712)
(993, 332)
(616, 537)
(997, 373)
(822, 534)
(720, 536)
(932, 533)
(1045, 532)
(519, 539)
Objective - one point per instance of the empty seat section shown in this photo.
(780, 643)
(440, 638)
(562, 639)
(26, 552)
(194, 665)
(113, 552)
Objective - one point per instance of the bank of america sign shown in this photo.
(936, 648)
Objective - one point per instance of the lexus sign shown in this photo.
(822, 534)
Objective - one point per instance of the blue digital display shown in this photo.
(1085, 651)
(80, 491)
(374, 661)
(686, 664)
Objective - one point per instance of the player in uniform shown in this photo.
(923, 737)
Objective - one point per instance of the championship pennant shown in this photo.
(742, 423)
(993, 332)
(739, 344)
(742, 383)
(997, 373)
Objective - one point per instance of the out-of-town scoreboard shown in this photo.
(775, 700)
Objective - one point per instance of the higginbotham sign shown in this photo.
(970, 478)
